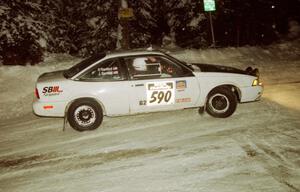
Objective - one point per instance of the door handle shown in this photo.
(139, 85)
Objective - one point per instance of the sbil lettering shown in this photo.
(51, 91)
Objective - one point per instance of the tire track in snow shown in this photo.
(271, 155)
(21, 165)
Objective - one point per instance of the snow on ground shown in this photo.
(257, 149)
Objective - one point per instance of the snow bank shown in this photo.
(17, 84)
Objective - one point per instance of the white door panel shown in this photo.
(115, 97)
(187, 92)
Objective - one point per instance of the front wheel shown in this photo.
(85, 115)
(221, 102)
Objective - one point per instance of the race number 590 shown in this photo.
(160, 93)
(160, 96)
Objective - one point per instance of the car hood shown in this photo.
(52, 76)
(219, 69)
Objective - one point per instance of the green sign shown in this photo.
(209, 5)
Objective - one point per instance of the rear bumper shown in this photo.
(252, 93)
(49, 109)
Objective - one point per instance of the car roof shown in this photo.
(124, 53)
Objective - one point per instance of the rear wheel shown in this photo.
(221, 102)
(85, 114)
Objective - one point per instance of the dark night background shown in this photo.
(30, 28)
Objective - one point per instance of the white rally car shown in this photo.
(132, 82)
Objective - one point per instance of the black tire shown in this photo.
(221, 102)
(85, 114)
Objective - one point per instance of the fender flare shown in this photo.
(87, 98)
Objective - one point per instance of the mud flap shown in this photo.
(65, 122)
(201, 110)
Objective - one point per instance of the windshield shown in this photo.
(178, 61)
(82, 65)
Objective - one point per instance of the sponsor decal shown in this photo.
(181, 84)
(160, 93)
(184, 100)
(51, 91)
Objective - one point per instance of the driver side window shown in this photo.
(152, 67)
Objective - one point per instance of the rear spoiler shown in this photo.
(251, 71)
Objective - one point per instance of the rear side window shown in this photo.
(82, 65)
(109, 70)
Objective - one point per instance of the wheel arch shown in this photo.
(232, 87)
(85, 98)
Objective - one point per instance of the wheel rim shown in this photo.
(219, 103)
(85, 115)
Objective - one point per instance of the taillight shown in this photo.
(37, 93)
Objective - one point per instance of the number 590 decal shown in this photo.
(160, 93)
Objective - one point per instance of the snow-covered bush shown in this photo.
(189, 23)
(180, 19)
(29, 28)
(95, 26)
(21, 33)
(56, 16)
(144, 23)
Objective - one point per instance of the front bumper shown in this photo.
(252, 93)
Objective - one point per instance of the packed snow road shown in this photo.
(256, 149)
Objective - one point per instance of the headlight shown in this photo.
(256, 82)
